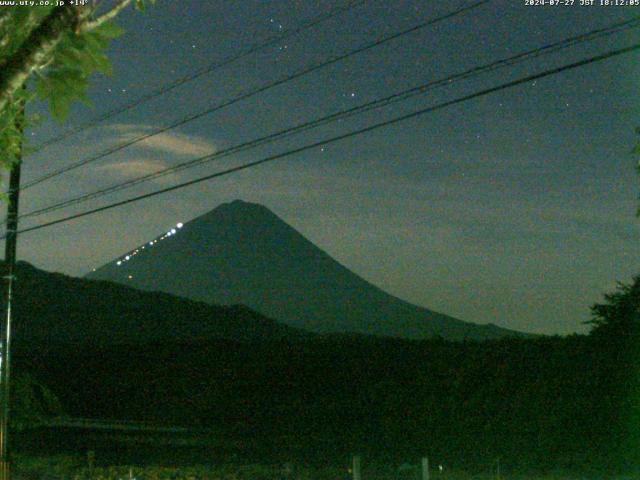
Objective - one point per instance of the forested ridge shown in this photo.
(538, 404)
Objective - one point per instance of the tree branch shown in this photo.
(35, 50)
(42, 41)
(4, 17)
(31, 22)
(105, 17)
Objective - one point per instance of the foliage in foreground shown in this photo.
(47, 52)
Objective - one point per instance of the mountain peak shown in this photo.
(241, 205)
(239, 209)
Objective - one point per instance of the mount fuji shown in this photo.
(243, 253)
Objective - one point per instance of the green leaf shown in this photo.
(140, 6)
(42, 88)
(102, 63)
(108, 30)
(63, 87)
(59, 107)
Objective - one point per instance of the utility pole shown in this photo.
(10, 264)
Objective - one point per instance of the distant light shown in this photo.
(127, 257)
(179, 225)
(173, 231)
(130, 277)
(119, 262)
(168, 234)
(150, 243)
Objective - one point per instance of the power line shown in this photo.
(251, 93)
(344, 136)
(269, 42)
(378, 103)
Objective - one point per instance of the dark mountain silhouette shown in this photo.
(55, 309)
(242, 253)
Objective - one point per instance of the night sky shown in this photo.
(517, 208)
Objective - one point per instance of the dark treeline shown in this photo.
(539, 404)
(543, 404)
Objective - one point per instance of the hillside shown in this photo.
(51, 308)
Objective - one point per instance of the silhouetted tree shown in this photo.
(619, 316)
(616, 343)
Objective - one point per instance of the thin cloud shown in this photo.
(136, 168)
(166, 142)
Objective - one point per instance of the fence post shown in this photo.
(91, 457)
(425, 468)
(357, 474)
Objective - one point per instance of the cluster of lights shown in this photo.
(132, 254)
